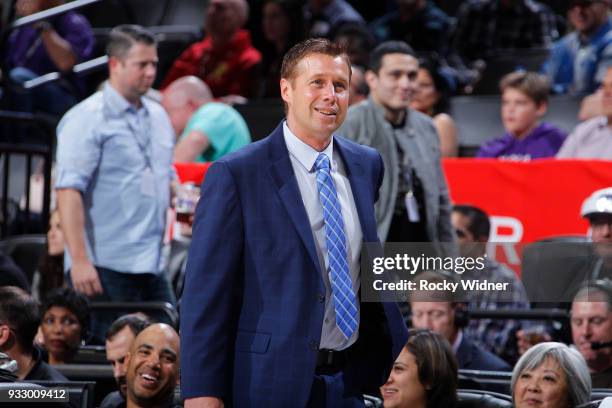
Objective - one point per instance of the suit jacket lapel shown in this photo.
(289, 192)
(360, 185)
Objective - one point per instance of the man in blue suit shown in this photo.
(270, 315)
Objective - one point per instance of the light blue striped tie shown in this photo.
(345, 304)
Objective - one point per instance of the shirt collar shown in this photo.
(304, 153)
(116, 104)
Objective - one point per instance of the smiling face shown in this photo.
(543, 387)
(403, 388)
(317, 98)
(395, 83)
(153, 365)
(592, 322)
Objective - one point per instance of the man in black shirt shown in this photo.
(19, 319)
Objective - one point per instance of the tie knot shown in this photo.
(322, 162)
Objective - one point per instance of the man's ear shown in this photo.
(541, 109)
(285, 89)
(5, 335)
(126, 362)
(371, 79)
(113, 62)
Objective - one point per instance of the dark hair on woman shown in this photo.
(77, 303)
(436, 365)
(51, 268)
(441, 83)
(293, 10)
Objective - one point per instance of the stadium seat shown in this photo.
(488, 381)
(480, 399)
(505, 62)
(5, 387)
(372, 402)
(478, 118)
(90, 354)
(601, 393)
(98, 374)
(262, 116)
(552, 271)
(81, 393)
(26, 251)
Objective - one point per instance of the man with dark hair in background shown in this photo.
(270, 315)
(419, 23)
(414, 204)
(114, 169)
(19, 320)
(119, 339)
(472, 227)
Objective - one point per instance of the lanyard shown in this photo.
(145, 135)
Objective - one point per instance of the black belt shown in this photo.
(332, 361)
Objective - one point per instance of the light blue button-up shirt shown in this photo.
(303, 158)
(120, 158)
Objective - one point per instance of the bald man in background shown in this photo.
(207, 130)
(153, 368)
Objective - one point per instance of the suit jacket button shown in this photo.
(314, 346)
(321, 298)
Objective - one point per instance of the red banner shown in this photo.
(528, 201)
(191, 172)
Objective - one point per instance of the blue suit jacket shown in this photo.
(472, 357)
(253, 304)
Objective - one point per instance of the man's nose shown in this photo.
(406, 82)
(150, 70)
(329, 91)
(118, 370)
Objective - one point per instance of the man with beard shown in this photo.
(119, 339)
(153, 368)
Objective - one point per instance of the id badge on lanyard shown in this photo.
(147, 180)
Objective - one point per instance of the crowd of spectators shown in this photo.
(115, 180)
